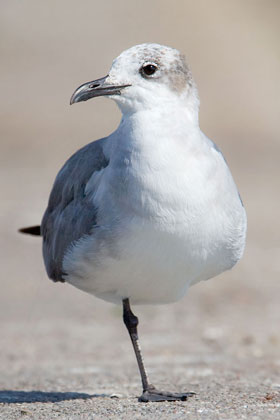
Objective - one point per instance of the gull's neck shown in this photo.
(147, 135)
(152, 126)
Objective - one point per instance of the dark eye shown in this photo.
(148, 69)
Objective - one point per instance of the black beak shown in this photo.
(96, 88)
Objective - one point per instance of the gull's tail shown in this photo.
(31, 230)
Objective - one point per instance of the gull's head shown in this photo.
(143, 77)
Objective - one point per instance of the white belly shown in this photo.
(149, 265)
(166, 230)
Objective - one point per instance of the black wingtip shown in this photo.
(31, 230)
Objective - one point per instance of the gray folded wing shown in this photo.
(70, 214)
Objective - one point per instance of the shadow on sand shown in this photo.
(12, 397)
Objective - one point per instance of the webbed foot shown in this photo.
(152, 394)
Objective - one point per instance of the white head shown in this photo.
(143, 77)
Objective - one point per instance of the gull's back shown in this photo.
(70, 214)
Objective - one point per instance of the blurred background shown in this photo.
(47, 50)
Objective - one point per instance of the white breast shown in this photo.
(172, 222)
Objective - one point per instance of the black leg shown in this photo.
(150, 393)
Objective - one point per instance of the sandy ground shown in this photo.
(65, 354)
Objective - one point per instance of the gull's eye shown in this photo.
(148, 69)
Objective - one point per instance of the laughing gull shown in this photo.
(141, 215)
